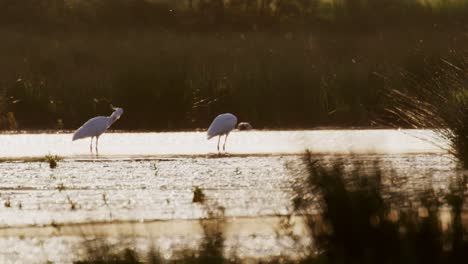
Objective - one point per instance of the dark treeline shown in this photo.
(176, 64)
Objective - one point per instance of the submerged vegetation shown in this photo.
(52, 160)
(7, 202)
(177, 64)
(198, 195)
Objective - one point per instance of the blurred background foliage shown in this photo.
(177, 64)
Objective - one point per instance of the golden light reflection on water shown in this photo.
(155, 194)
(245, 142)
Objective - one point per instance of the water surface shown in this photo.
(148, 179)
(246, 142)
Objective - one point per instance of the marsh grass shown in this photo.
(210, 250)
(155, 168)
(61, 187)
(439, 102)
(52, 160)
(10, 117)
(198, 195)
(275, 63)
(7, 202)
(73, 205)
(358, 224)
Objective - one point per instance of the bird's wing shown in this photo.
(222, 124)
(92, 128)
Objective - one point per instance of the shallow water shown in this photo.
(239, 142)
(151, 176)
(163, 189)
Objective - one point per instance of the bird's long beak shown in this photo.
(112, 107)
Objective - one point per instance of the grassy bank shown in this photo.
(277, 64)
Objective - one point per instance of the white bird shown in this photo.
(96, 126)
(222, 125)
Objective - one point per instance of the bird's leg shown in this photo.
(219, 139)
(97, 138)
(224, 145)
(91, 146)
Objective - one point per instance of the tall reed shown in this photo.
(439, 102)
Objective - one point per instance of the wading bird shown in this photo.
(222, 125)
(96, 126)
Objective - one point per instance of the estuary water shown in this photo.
(380, 141)
(151, 176)
(142, 184)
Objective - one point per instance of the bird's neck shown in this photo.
(111, 120)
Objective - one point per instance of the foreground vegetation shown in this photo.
(361, 222)
(439, 102)
(358, 223)
(176, 64)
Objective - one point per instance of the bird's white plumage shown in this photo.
(96, 126)
(92, 128)
(222, 125)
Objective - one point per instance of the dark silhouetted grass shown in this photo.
(440, 102)
(356, 223)
(210, 250)
(198, 195)
(52, 160)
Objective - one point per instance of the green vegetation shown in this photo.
(176, 64)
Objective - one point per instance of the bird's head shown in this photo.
(117, 113)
